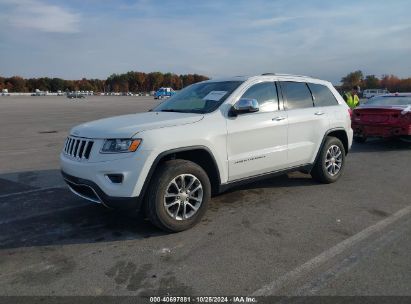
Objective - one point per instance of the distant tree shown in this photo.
(43, 84)
(98, 85)
(70, 85)
(352, 79)
(176, 82)
(141, 81)
(17, 83)
(168, 80)
(405, 85)
(391, 82)
(199, 78)
(187, 79)
(155, 80)
(123, 83)
(57, 84)
(85, 85)
(371, 82)
(131, 81)
(9, 86)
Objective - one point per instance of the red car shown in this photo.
(384, 116)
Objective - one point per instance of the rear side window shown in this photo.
(266, 95)
(297, 94)
(322, 95)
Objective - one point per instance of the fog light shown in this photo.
(115, 178)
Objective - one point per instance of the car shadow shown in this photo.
(44, 216)
(38, 209)
(380, 145)
(294, 179)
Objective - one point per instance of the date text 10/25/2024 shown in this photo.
(206, 299)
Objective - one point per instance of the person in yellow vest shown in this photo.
(351, 98)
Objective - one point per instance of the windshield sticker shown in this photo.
(215, 95)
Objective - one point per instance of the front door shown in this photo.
(257, 142)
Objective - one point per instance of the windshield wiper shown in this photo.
(194, 111)
(172, 110)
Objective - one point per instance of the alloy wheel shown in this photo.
(183, 197)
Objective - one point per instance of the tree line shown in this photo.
(145, 82)
(127, 82)
(390, 82)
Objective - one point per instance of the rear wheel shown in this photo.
(178, 195)
(330, 162)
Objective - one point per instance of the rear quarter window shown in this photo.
(323, 97)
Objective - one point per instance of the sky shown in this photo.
(72, 39)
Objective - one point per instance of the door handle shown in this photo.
(278, 118)
(319, 113)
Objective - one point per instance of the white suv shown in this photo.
(207, 138)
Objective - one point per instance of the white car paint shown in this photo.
(242, 146)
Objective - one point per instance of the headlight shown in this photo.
(120, 145)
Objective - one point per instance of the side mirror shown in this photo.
(244, 105)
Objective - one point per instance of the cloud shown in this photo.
(39, 16)
(216, 38)
(270, 21)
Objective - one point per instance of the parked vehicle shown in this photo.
(370, 93)
(5, 92)
(164, 93)
(37, 92)
(209, 137)
(383, 116)
(76, 94)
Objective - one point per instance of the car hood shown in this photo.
(126, 126)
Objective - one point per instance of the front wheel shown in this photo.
(330, 162)
(178, 195)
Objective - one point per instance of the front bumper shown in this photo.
(130, 165)
(92, 192)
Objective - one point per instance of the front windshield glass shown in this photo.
(203, 97)
(390, 101)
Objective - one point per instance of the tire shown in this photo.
(332, 153)
(167, 179)
(359, 139)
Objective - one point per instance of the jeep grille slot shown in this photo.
(79, 148)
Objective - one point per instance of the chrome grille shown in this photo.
(79, 148)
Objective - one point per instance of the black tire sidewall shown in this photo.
(330, 141)
(168, 171)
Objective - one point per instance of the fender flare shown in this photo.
(323, 141)
(173, 151)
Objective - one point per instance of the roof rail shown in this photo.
(277, 74)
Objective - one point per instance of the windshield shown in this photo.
(202, 97)
(390, 101)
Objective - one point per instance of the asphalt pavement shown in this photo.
(283, 236)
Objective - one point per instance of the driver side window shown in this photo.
(266, 95)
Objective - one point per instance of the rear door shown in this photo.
(325, 101)
(257, 142)
(306, 123)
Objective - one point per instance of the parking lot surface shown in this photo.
(283, 236)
